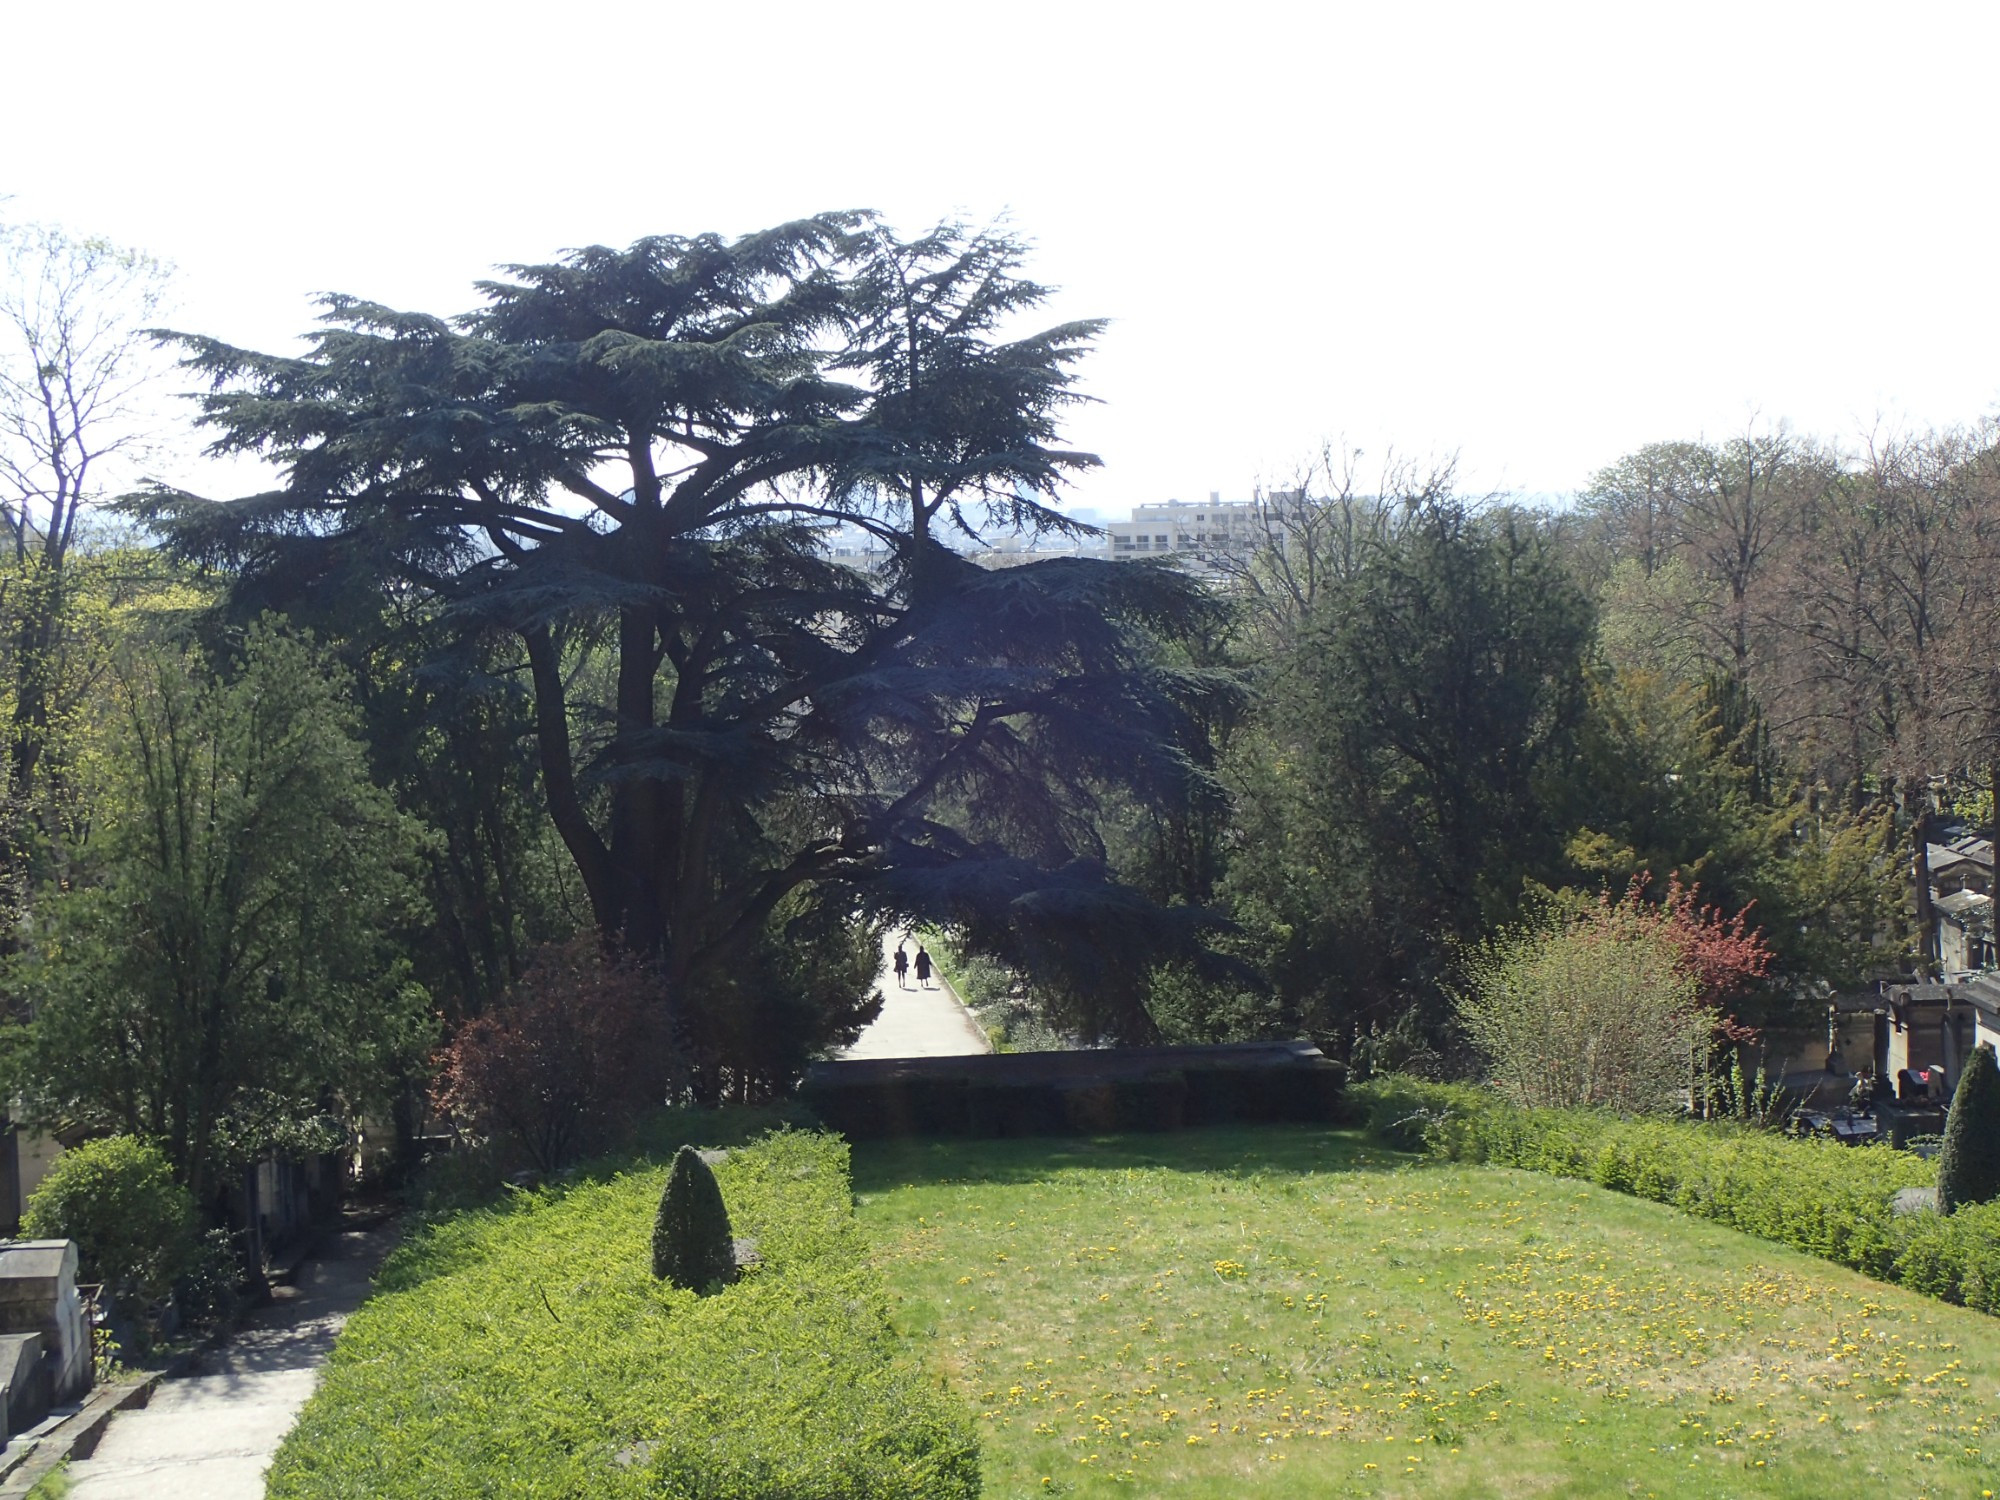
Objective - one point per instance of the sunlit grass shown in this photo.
(1290, 1311)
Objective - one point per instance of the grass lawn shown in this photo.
(1296, 1311)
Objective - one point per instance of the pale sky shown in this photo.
(1536, 235)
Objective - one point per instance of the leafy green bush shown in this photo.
(134, 1226)
(1969, 1161)
(692, 1245)
(1829, 1200)
(522, 1349)
(1955, 1257)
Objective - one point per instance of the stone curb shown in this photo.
(27, 1462)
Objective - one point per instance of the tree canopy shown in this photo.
(627, 459)
(231, 978)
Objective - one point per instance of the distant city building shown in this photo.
(856, 546)
(1195, 532)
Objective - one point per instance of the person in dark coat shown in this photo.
(901, 964)
(923, 968)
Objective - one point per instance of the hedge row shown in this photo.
(527, 1350)
(1827, 1199)
(1165, 1098)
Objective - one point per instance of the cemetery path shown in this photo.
(917, 1021)
(210, 1434)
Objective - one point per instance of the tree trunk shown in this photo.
(1920, 883)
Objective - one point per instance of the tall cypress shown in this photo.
(1969, 1164)
(692, 1242)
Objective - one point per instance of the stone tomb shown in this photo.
(44, 1336)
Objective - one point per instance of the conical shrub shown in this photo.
(1969, 1164)
(692, 1243)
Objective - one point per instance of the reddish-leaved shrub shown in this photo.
(566, 1066)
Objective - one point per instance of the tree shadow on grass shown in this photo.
(1239, 1151)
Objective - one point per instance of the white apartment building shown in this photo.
(1187, 526)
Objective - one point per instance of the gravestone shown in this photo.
(24, 1381)
(38, 1296)
(1914, 1200)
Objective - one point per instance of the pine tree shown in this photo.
(1969, 1164)
(692, 1243)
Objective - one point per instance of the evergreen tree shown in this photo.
(692, 1242)
(1969, 1164)
(628, 459)
(1400, 789)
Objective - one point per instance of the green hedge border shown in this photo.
(525, 1349)
(1827, 1199)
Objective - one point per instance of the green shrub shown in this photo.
(521, 1349)
(1827, 1199)
(1955, 1257)
(1969, 1162)
(206, 1288)
(134, 1226)
(693, 1246)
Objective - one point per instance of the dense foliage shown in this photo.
(567, 1064)
(134, 1226)
(525, 1350)
(1969, 1162)
(1827, 1199)
(228, 985)
(692, 1244)
(1590, 1009)
(1400, 784)
(1462, 708)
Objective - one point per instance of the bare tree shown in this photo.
(73, 315)
(1316, 530)
(75, 361)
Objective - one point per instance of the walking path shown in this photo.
(210, 1434)
(917, 1021)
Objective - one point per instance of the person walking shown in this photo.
(901, 964)
(923, 968)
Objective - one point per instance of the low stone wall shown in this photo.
(1078, 1093)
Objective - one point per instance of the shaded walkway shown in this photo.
(915, 1021)
(210, 1434)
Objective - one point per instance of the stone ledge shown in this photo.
(31, 1455)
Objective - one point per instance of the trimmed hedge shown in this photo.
(1969, 1163)
(525, 1350)
(1827, 1199)
(692, 1245)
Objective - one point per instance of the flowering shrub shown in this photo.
(1596, 1008)
(568, 1065)
(1612, 1003)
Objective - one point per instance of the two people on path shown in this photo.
(901, 964)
